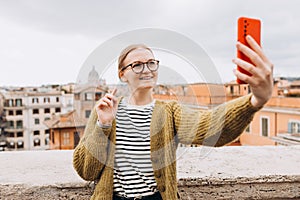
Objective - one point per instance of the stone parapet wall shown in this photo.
(204, 173)
(269, 187)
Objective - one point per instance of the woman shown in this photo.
(129, 144)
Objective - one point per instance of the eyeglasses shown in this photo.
(138, 67)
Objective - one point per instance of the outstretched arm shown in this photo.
(226, 122)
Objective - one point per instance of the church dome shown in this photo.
(93, 76)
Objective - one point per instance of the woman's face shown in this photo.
(144, 80)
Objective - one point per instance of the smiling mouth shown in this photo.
(146, 78)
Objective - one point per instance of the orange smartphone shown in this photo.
(247, 26)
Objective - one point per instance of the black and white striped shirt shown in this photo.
(133, 172)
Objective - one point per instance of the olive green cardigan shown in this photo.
(171, 123)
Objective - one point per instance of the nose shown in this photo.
(146, 69)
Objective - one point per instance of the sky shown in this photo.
(48, 41)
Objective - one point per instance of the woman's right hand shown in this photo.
(107, 108)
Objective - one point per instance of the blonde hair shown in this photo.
(126, 51)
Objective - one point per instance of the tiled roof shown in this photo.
(67, 120)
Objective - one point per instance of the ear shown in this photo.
(122, 77)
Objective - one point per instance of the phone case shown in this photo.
(247, 26)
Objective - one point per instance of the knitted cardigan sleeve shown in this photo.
(215, 127)
(91, 153)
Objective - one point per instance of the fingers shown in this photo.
(243, 77)
(114, 91)
(245, 65)
(255, 53)
(253, 44)
(251, 54)
(108, 100)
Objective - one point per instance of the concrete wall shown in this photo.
(204, 173)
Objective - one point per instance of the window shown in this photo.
(57, 99)
(76, 135)
(35, 111)
(57, 110)
(66, 138)
(35, 100)
(47, 141)
(47, 110)
(98, 95)
(11, 134)
(19, 134)
(36, 121)
(11, 124)
(247, 130)
(20, 144)
(19, 112)
(10, 102)
(265, 126)
(19, 124)
(77, 96)
(87, 113)
(36, 132)
(88, 96)
(47, 131)
(10, 112)
(47, 100)
(231, 89)
(294, 127)
(36, 142)
(18, 102)
(11, 144)
(46, 118)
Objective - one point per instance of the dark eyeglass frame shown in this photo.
(143, 63)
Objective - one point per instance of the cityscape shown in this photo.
(54, 116)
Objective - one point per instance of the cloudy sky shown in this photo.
(47, 41)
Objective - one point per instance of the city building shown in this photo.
(278, 122)
(65, 130)
(88, 93)
(25, 110)
(3, 140)
(54, 116)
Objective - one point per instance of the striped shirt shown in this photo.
(133, 172)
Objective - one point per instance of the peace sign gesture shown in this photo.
(107, 108)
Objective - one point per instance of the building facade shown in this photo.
(25, 111)
(65, 130)
(278, 122)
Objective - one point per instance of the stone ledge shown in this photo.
(275, 187)
(204, 173)
(238, 180)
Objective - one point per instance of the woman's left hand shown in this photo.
(261, 81)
